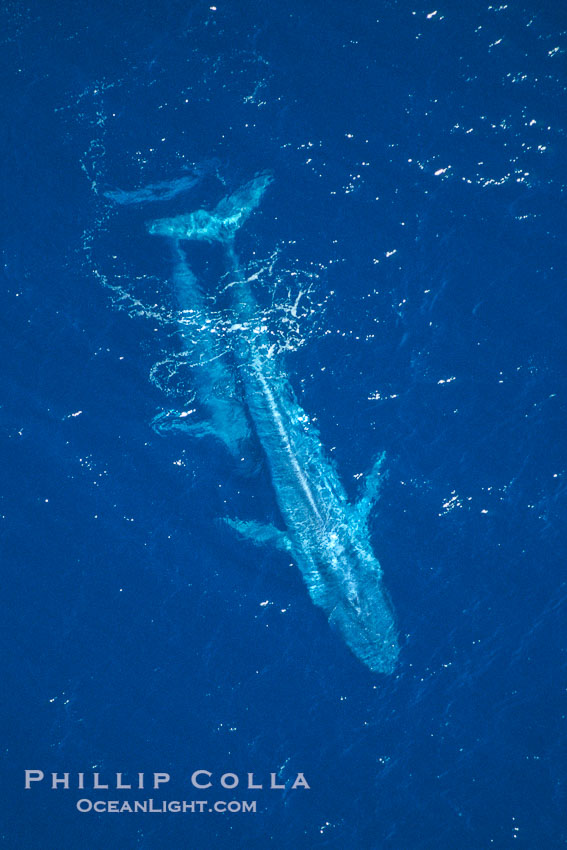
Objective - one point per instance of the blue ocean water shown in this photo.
(418, 210)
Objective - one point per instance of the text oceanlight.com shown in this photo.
(165, 806)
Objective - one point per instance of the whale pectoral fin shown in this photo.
(233, 437)
(371, 489)
(260, 534)
(168, 421)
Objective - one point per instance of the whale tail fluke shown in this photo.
(219, 225)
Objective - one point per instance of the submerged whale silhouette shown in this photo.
(326, 535)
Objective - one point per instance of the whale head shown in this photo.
(356, 602)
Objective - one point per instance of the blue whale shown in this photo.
(326, 535)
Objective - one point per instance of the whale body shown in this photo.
(326, 535)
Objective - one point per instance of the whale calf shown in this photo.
(326, 535)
